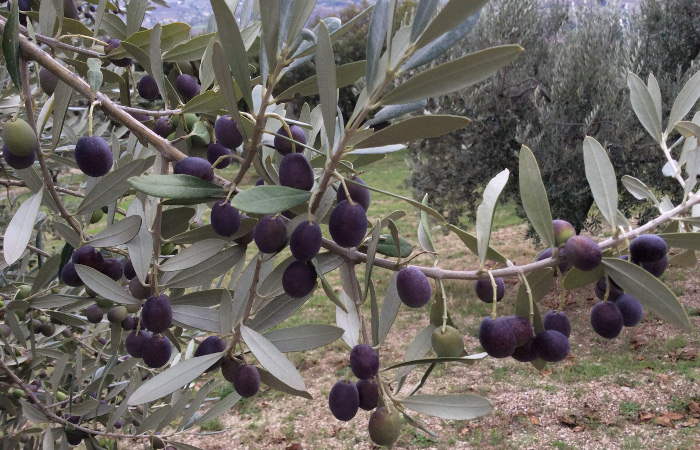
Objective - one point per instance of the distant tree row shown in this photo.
(570, 82)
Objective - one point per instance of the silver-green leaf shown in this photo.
(685, 101)
(303, 337)
(601, 178)
(453, 76)
(272, 359)
(235, 48)
(269, 199)
(20, 228)
(117, 233)
(105, 286)
(198, 317)
(650, 292)
(486, 211)
(193, 255)
(644, 107)
(175, 186)
(534, 196)
(414, 128)
(450, 407)
(172, 379)
(325, 68)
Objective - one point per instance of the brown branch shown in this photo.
(253, 287)
(152, 113)
(259, 127)
(48, 180)
(55, 43)
(56, 419)
(354, 256)
(36, 250)
(116, 112)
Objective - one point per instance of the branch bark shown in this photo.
(31, 51)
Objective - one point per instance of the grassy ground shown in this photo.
(639, 390)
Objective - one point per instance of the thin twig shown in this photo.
(31, 248)
(56, 419)
(48, 180)
(21, 183)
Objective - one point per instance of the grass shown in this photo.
(676, 343)
(582, 371)
(212, 425)
(630, 409)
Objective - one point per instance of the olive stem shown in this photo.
(494, 300)
(164, 169)
(523, 279)
(286, 128)
(133, 85)
(444, 306)
(90, 38)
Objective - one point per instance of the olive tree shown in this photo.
(550, 100)
(72, 106)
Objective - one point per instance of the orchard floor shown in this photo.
(640, 390)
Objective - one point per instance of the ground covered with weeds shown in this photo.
(640, 390)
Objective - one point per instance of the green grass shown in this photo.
(676, 343)
(582, 371)
(561, 445)
(212, 425)
(630, 409)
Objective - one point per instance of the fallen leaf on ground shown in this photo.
(694, 407)
(645, 415)
(673, 415)
(567, 419)
(664, 421)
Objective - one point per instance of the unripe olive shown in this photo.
(96, 216)
(23, 292)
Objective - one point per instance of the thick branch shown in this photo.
(355, 256)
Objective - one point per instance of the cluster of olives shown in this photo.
(346, 397)
(622, 309)
(36, 320)
(513, 335)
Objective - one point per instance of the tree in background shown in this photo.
(571, 82)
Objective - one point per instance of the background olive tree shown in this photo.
(66, 373)
(571, 83)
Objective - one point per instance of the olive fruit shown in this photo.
(93, 156)
(413, 287)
